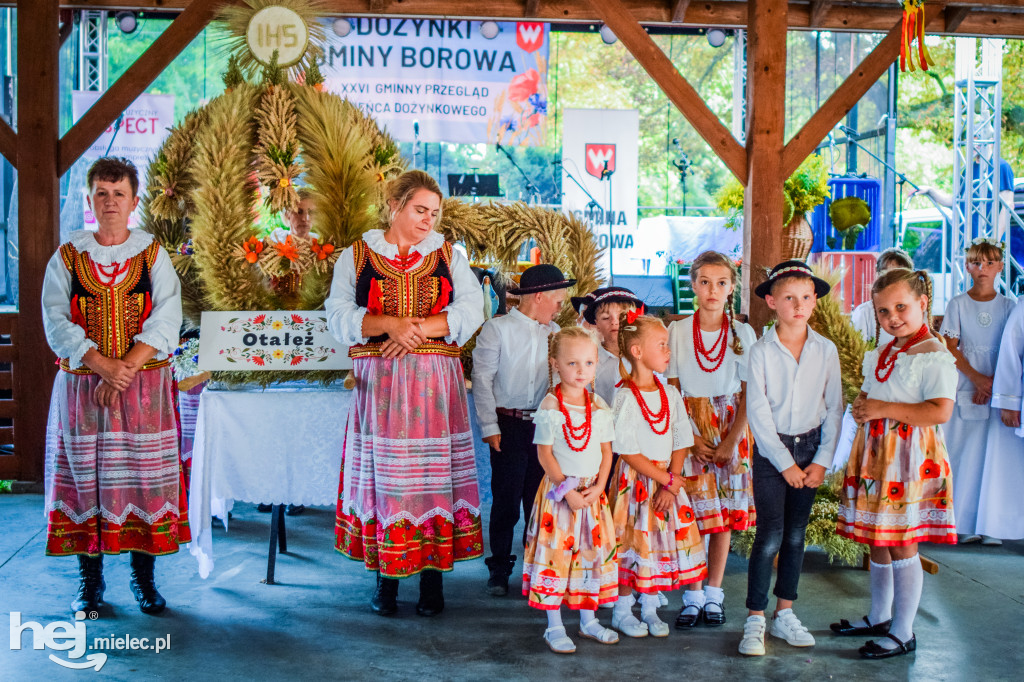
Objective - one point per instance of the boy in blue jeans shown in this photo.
(795, 408)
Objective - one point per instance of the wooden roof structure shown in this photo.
(41, 155)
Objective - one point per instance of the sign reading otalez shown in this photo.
(245, 341)
(441, 80)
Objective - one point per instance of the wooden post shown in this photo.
(38, 221)
(766, 127)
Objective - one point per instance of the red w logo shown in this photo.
(600, 158)
(530, 36)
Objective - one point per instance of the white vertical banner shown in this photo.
(144, 126)
(600, 160)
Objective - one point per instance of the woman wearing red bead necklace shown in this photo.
(898, 489)
(709, 367)
(112, 314)
(659, 545)
(570, 539)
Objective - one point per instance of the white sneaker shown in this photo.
(752, 643)
(785, 625)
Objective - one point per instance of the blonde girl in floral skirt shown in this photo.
(570, 550)
(659, 544)
(709, 367)
(898, 490)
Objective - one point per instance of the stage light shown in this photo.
(607, 36)
(342, 27)
(126, 21)
(490, 30)
(716, 37)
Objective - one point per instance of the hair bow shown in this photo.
(631, 315)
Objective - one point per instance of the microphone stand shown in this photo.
(592, 204)
(607, 175)
(530, 186)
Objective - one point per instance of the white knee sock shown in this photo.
(716, 595)
(881, 593)
(624, 605)
(649, 605)
(908, 580)
(555, 618)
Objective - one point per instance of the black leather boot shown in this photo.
(500, 570)
(431, 594)
(384, 600)
(143, 585)
(90, 589)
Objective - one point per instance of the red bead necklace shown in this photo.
(107, 274)
(886, 362)
(575, 433)
(653, 420)
(403, 263)
(713, 355)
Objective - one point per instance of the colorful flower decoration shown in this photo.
(895, 491)
(253, 248)
(321, 251)
(287, 249)
(929, 469)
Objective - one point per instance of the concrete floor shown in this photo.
(316, 622)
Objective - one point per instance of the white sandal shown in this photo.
(558, 641)
(605, 636)
(629, 625)
(655, 626)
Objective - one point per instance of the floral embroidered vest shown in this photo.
(421, 289)
(111, 314)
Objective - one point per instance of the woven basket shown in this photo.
(797, 239)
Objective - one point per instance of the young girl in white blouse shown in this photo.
(659, 544)
(898, 490)
(978, 442)
(570, 551)
(709, 368)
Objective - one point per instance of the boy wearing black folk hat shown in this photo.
(794, 408)
(510, 378)
(601, 309)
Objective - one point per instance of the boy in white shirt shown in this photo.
(510, 378)
(794, 408)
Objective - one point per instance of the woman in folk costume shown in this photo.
(898, 489)
(112, 313)
(406, 301)
(978, 442)
(709, 367)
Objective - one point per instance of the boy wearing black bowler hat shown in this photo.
(794, 408)
(510, 378)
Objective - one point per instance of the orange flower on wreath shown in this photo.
(253, 248)
(929, 469)
(895, 490)
(286, 249)
(322, 251)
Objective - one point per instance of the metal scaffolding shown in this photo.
(92, 50)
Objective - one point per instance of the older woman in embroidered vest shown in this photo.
(112, 314)
(406, 301)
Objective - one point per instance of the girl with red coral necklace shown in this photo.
(709, 367)
(570, 539)
(898, 488)
(659, 545)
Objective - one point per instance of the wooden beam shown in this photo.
(135, 80)
(819, 8)
(846, 96)
(8, 143)
(532, 9)
(379, 6)
(676, 88)
(766, 128)
(67, 25)
(954, 17)
(679, 8)
(39, 227)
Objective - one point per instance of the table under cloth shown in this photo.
(279, 445)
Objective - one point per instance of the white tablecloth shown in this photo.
(281, 445)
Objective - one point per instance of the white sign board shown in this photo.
(144, 126)
(599, 153)
(442, 80)
(245, 341)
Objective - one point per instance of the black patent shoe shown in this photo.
(688, 621)
(384, 601)
(713, 619)
(143, 584)
(499, 569)
(874, 651)
(431, 601)
(845, 628)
